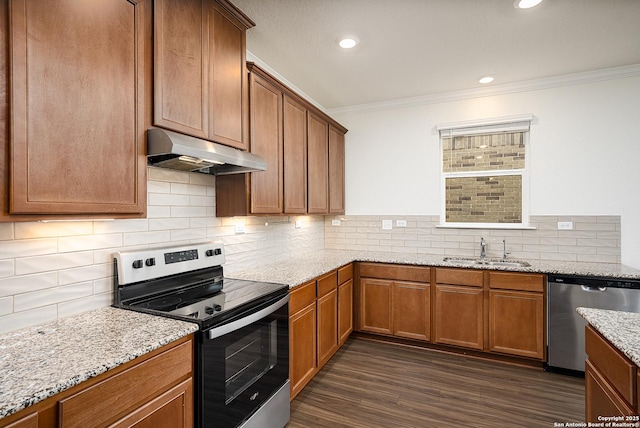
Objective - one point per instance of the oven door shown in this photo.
(244, 368)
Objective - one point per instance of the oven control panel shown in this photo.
(151, 263)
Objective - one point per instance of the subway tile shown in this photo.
(202, 179)
(6, 305)
(53, 262)
(120, 226)
(84, 304)
(31, 230)
(594, 226)
(597, 258)
(158, 186)
(432, 251)
(36, 299)
(18, 320)
(558, 241)
(559, 257)
(6, 231)
(103, 285)
(138, 238)
(164, 174)
(24, 284)
(188, 189)
(85, 273)
(190, 234)
(28, 247)
(202, 201)
(597, 242)
(608, 219)
(90, 242)
(540, 248)
(178, 211)
(170, 199)
(7, 268)
(158, 211)
(169, 223)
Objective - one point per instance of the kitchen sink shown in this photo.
(486, 262)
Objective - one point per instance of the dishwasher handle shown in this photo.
(593, 288)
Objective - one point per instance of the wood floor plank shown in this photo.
(372, 384)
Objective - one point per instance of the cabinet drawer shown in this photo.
(345, 273)
(100, 403)
(459, 277)
(327, 283)
(395, 272)
(615, 367)
(516, 281)
(302, 296)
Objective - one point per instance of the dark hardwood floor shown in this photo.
(373, 384)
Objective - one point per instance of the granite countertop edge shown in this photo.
(306, 267)
(620, 328)
(41, 361)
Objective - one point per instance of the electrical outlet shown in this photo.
(401, 223)
(565, 225)
(239, 228)
(298, 224)
(335, 222)
(387, 224)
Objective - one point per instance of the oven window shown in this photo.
(249, 358)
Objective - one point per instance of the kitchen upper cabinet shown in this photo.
(77, 109)
(304, 151)
(318, 164)
(516, 314)
(295, 156)
(200, 70)
(336, 170)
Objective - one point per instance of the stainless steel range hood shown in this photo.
(168, 149)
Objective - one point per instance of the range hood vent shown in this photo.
(168, 149)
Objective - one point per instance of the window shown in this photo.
(484, 173)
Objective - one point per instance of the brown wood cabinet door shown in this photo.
(516, 323)
(345, 311)
(458, 317)
(318, 164)
(266, 141)
(295, 157)
(601, 399)
(172, 409)
(411, 310)
(336, 171)
(375, 300)
(29, 421)
(302, 348)
(181, 66)
(327, 326)
(77, 107)
(227, 78)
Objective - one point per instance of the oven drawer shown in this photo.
(103, 401)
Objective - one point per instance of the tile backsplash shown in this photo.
(593, 239)
(55, 269)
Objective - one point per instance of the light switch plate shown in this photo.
(239, 228)
(565, 225)
(298, 224)
(387, 224)
(335, 222)
(401, 223)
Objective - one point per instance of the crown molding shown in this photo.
(510, 88)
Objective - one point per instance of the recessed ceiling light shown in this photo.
(347, 43)
(526, 4)
(486, 79)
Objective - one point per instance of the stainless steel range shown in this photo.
(242, 346)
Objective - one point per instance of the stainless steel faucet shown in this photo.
(483, 248)
(505, 253)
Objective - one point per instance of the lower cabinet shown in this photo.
(516, 314)
(150, 391)
(395, 300)
(320, 321)
(610, 380)
(459, 316)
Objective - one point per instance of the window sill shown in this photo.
(484, 226)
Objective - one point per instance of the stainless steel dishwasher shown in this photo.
(565, 328)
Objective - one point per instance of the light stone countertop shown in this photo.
(303, 268)
(41, 361)
(622, 329)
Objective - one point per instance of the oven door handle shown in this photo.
(245, 321)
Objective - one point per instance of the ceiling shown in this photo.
(412, 48)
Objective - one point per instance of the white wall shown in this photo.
(585, 150)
